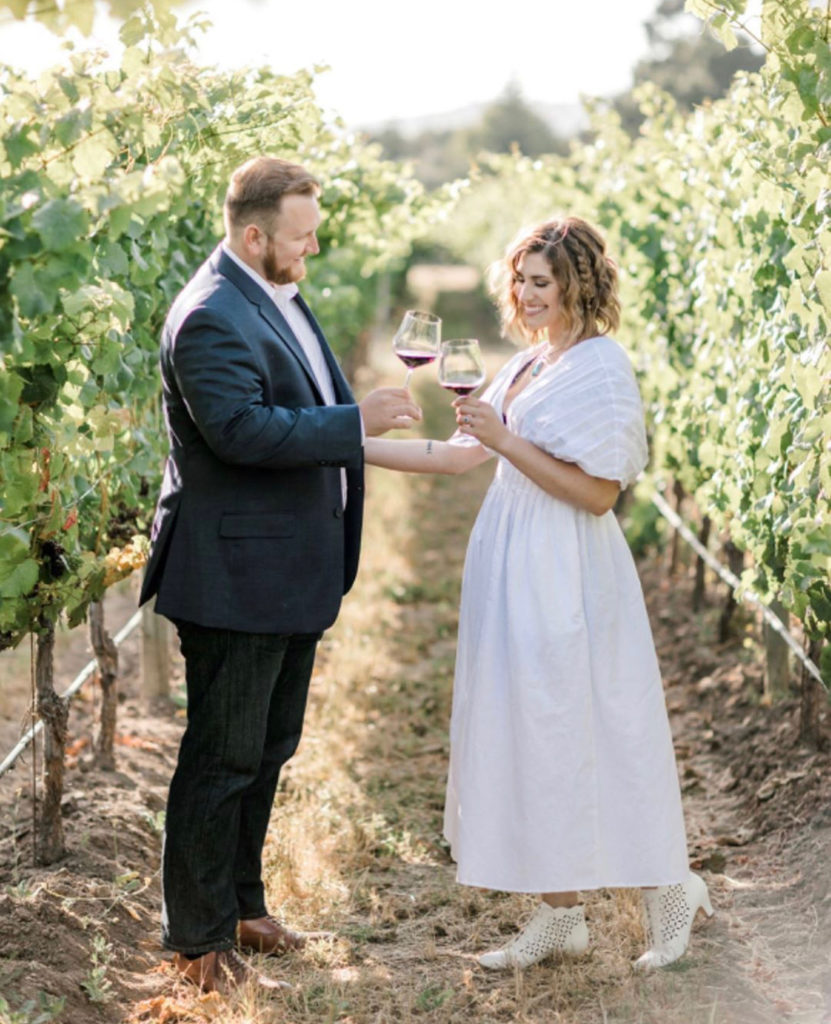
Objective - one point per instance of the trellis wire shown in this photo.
(72, 689)
(657, 500)
(733, 581)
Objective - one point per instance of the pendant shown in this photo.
(537, 368)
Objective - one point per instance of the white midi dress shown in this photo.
(562, 772)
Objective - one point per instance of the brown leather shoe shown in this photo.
(266, 935)
(223, 972)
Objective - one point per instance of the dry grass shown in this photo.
(356, 846)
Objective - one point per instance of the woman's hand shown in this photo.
(480, 420)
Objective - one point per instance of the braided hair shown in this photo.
(586, 276)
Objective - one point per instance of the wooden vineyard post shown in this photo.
(735, 561)
(678, 494)
(106, 654)
(811, 701)
(699, 588)
(777, 660)
(155, 653)
(54, 713)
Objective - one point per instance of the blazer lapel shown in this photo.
(268, 310)
(343, 392)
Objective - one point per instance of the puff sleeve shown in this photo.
(594, 415)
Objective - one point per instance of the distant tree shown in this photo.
(443, 155)
(436, 156)
(509, 122)
(685, 61)
(395, 145)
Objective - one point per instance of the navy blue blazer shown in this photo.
(250, 532)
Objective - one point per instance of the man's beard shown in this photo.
(280, 275)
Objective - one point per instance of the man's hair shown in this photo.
(257, 188)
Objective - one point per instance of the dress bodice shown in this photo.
(584, 408)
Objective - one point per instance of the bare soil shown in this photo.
(356, 846)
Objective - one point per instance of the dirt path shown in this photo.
(355, 842)
(759, 821)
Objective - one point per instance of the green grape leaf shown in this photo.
(132, 31)
(17, 7)
(18, 571)
(18, 145)
(823, 286)
(69, 128)
(825, 663)
(11, 387)
(60, 223)
(93, 155)
(112, 259)
(41, 384)
(35, 295)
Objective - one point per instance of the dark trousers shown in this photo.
(246, 700)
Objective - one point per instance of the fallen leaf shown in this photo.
(716, 862)
(740, 837)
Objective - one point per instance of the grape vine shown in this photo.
(112, 185)
(721, 221)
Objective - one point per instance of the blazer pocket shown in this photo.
(259, 524)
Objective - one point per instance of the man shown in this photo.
(255, 541)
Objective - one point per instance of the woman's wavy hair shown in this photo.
(587, 278)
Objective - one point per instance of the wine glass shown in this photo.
(416, 341)
(461, 368)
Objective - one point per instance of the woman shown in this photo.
(562, 772)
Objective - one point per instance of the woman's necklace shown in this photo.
(544, 358)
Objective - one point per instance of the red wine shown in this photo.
(461, 389)
(415, 357)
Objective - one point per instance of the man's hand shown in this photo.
(387, 409)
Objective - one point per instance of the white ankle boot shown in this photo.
(550, 930)
(670, 911)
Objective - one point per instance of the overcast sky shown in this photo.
(391, 60)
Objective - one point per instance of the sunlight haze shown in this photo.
(424, 58)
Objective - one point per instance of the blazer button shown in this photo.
(337, 512)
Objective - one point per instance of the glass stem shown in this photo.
(407, 378)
